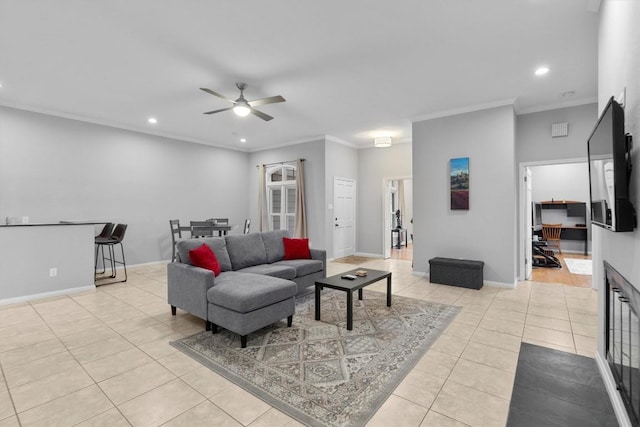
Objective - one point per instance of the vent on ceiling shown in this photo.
(559, 129)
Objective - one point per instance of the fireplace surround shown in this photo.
(622, 339)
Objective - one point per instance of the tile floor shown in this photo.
(103, 358)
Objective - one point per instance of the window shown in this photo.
(281, 197)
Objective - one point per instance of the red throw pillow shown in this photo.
(205, 258)
(296, 248)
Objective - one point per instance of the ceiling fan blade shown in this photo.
(209, 91)
(260, 114)
(218, 111)
(270, 100)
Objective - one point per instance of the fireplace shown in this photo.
(623, 339)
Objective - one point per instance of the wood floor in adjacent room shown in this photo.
(562, 275)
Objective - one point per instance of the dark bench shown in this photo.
(457, 272)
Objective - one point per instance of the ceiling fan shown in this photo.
(241, 106)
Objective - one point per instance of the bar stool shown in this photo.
(116, 239)
(104, 235)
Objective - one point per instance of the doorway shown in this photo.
(398, 217)
(554, 190)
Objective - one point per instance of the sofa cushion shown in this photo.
(204, 257)
(246, 250)
(245, 292)
(302, 267)
(296, 248)
(273, 270)
(273, 244)
(217, 244)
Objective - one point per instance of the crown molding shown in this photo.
(575, 103)
(463, 110)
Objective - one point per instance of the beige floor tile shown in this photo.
(148, 334)
(240, 404)
(70, 409)
(491, 356)
(179, 363)
(590, 319)
(585, 345)
(484, 378)
(31, 353)
(437, 363)
(161, 347)
(471, 406)
(512, 305)
(434, 419)
(273, 417)
(204, 414)
(584, 329)
(161, 404)
(549, 323)
(206, 382)
(6, 405)
(508, 315)
(549, 311)
(110, 418)
(126, 386)
(116, 364)
(462, 331)
(52, 387)
(468, 318)
(10, 422)
(504, 326)
(450, 345)
(419, 387)
(41, 368)
(88, 336)
(564, 339)
(496, 339)
(549, 345)
(25, 340)
(397, 411)
(20, 329)
(100, 349)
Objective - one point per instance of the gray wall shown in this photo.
(55, 169)
(619, 67)
(533, 134)
(341, 162)
(487, 231)
(314, 155)
(374, 164)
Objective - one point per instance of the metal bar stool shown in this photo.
(116, 239)
(104, 235)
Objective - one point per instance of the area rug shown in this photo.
(352, 259)
(579, 266)
(318, 372)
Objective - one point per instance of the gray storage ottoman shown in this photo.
(457, 272)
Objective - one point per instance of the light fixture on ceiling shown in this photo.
(241, 108)
(243, 140)
(541, 71)
(382, 141)
(152, 120)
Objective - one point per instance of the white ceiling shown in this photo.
(346, 68)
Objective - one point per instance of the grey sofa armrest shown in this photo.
(320, 254)
(187, 288)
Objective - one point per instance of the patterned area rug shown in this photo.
(318, 372)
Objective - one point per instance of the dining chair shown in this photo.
(551, 235)
(247, 226)
(219, 221)
(175, 231)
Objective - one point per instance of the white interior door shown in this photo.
(344, 204)
(528, 235)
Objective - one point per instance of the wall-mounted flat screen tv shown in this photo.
(610, 170)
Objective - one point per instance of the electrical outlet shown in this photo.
(53, 272)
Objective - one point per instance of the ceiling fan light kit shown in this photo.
(241, 106)
(382, 142)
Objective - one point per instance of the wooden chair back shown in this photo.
(551, 234)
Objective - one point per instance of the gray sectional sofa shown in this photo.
(256, 287)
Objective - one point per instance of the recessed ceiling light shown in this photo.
(243, 139)
(152, 120)
(541, 71)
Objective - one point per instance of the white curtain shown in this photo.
(262, 197)
(301, 214)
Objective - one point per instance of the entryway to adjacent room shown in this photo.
(398, 218)
(556, 193)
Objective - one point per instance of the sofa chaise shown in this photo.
(255, 288)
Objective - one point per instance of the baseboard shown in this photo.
(614, 395)
(368, 255)
(420, 274)
(501, 284)
(25, 298)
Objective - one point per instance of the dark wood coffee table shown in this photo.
(348, 286)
